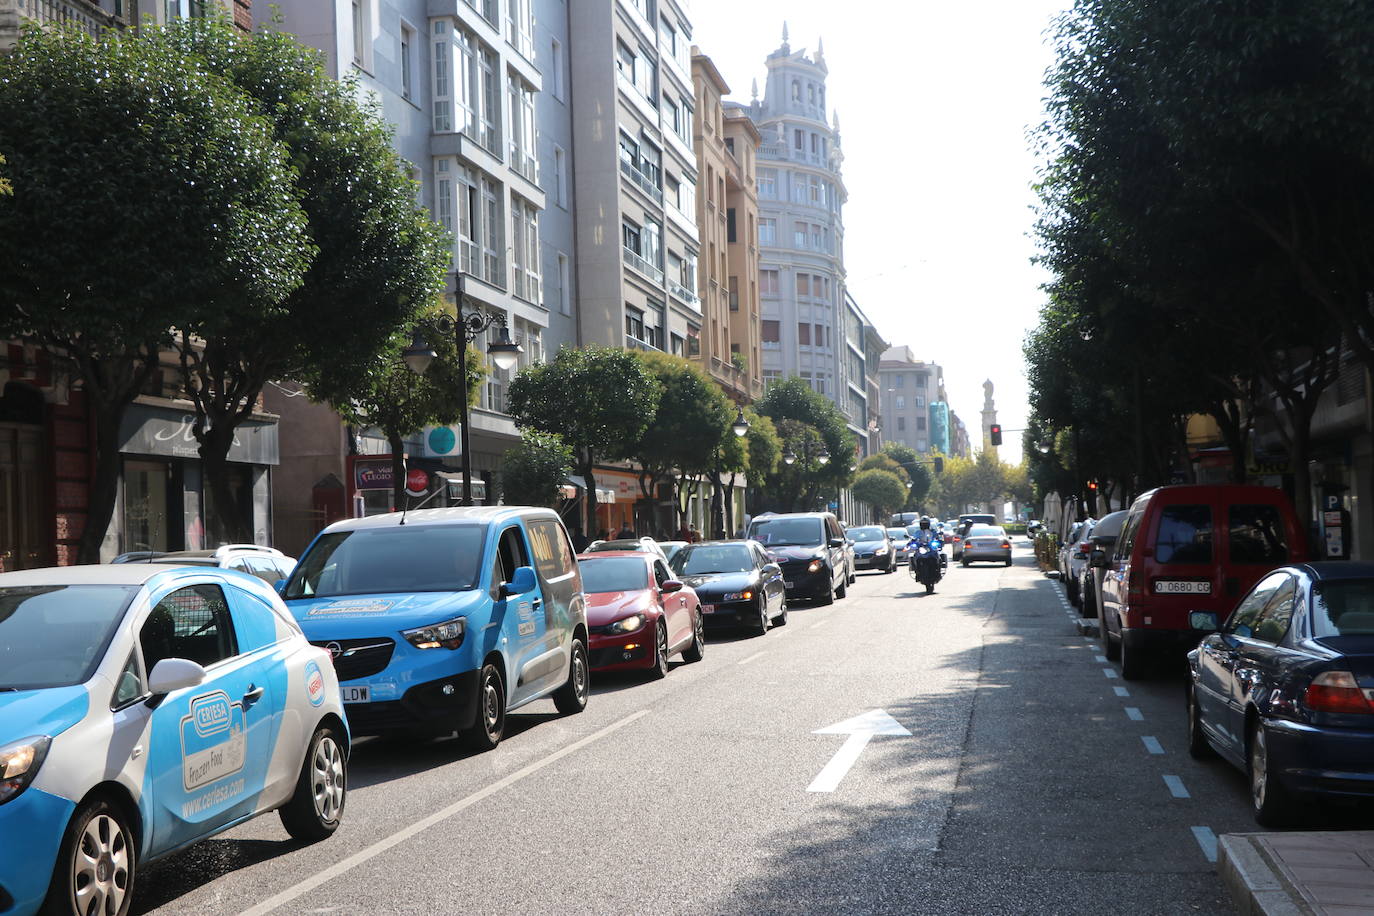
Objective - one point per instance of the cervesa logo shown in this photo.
(210, 714)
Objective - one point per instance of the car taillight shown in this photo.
(1337, 691)
(1007, 544)
(968, 544)
(1134, 587)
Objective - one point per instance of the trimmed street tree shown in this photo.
(533, 470)
(148, 194)
(380, 258)
(598, 399)
(392, 398)
(793, 399)
(884, 492)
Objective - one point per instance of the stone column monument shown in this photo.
(989, 415)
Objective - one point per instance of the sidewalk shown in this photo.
(1319, 872)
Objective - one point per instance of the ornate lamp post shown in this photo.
(504, 352)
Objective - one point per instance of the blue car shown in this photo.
(144, 708)
(1285, 689)
(444, 620)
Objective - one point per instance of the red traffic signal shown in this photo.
(995, 434)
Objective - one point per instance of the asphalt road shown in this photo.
(1034, 780)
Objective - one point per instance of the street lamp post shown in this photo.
(504, 352)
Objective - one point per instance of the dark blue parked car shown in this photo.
(1285, 689)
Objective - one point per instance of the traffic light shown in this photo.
(939, 464)
(1092, 485)
(995, 434)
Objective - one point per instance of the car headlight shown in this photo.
(19, 763)
(445, 635)
(881, 551)
(745, 595)
(815, 566)
(628, 624)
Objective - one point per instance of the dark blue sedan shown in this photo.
(1285, 689)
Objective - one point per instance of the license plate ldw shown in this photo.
(356, 694)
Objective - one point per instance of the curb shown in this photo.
(1255, 884)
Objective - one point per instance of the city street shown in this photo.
(1032, 780)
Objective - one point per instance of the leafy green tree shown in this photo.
(917, 469)
(793, 399)
(884, 462)
(5, 187)
(148, 194)
(534, 469)
(395, 400)
(763, 446)
(380, 259)
(598, 399)
(883, 490)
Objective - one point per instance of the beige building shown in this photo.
(636, 176)
(727, 144)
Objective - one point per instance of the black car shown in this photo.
(736, 583)
(1285, 689)
(873, 549)
(811, 549)
(1103, 538)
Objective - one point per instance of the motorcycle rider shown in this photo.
(924, 535)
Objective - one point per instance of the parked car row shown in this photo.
(164, 698)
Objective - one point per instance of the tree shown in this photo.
(598, 399)
(802, 483)
(534, 469)
(380, 259)
(763, 446)
(148, 194)
(917, 469)
(6, 188)
(883, 490)
(392, 398)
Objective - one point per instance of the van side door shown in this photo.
(555, 564)
(523, 627)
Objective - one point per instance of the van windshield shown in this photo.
(416, 558)
(1185, 535)
(785, 532)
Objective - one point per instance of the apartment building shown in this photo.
(801, 231)
(94, 15)
(636, 180)
(553, 123)
(914, 408)
(726, 143)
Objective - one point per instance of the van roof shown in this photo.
(1229, 491)
(451, 515)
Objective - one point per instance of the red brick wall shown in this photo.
(243, 14)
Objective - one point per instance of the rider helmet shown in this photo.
(925, 522)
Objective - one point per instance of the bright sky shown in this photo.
(934, 100)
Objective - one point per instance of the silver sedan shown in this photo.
(899, 539)
(986, 543)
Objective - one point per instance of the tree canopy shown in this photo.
(883, 490)
(809, 424)
(534, 469)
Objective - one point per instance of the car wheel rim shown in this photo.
(327, 779)
(1259, 768)
(700, 633)
(491, 706)
(662, 647)
(100, 867)
(580, 674)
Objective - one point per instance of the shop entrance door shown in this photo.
(23, 540)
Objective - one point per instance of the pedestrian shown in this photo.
(684, 533)
(693, 534)
(626, 532)
(579, 540)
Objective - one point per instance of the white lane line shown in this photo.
(1134, 714)
(406, 833)
(1208, 841)
(819, 623)
(1109, 672)
(1122, 691)
(745, 661)
(1152, 744)
(1100, 658)
(1176, 788)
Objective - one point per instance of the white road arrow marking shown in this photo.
(860, 730)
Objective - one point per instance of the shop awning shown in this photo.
(603, 494)
(454, 482)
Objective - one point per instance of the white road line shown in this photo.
(1109, 672)
(1100, 658)
(1134, 714)
(1152, 744)
(745, 661)
(1208, 841)
(1122, 691)
(819, 623)
(1176, 788)
(406, 833)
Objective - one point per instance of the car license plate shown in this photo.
(708, 608)
(789, 583)
(356, 694)
(1176, 587)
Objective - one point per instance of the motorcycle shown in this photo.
(926, 563)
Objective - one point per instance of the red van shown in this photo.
(1184, 549)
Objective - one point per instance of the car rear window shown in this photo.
(615, 574)
(1257, 535)
(1343, 608)
(986, 531)
(1185, 535)
(783, 532)
(867, 534)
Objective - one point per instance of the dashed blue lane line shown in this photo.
(1152, 744)
(1176, 787)
(1208, 841)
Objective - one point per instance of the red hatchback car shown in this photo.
(638, 614)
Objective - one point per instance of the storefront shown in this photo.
(163, 502)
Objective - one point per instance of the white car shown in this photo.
(144, 708)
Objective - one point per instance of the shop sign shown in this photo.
(417, 481)
(442, 442)
(373, 474)
(150, 430)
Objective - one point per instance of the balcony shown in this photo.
(634, 259)
(641, 181)
(84, 14)
(684, 295)
(635, 343)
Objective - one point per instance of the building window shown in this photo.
(564, 285)
(679, 345)
(768, 282)
(768, 184)
(921, 380)
(634, 323)
(920, 445)
(803, 284)
(796, 90)
(920, 424)
(799, 235)
(560, 177)
(493, 231)
(557, 67)
(360, 30)
(443, 101)
(734, 294)
(768, 231)
(901, 402)
(520, 26)
(901, 381)
(407, 63)
(798, 140)
(525, 251)
(771, 376)
(920, 400)
(901, 424)
(730, 225)
(523, 151)
(770, 331)
(804, 334)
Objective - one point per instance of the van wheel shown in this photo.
(95, 865)
(490, 726)
(697, 650)
(571, 698)
(316, 807)
(1198, 746)
(1270, 801)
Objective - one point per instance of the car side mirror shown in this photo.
(521, 581)
(772, 568)
(1098, 559)
(171, 674)
(836, 542)
(669, 586)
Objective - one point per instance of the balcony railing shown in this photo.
(635, 343)
(81, 13)
(641, 181)
(638, 263)
(684, 294)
